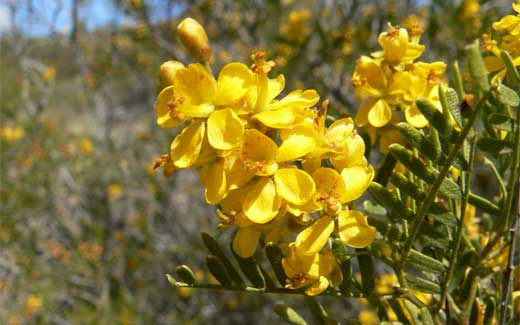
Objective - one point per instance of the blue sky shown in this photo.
(94, 12)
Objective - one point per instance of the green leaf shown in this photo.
(507, 96)
(477, 69)
(453, 105)
(437, 119)
(489, 313)
(390, 201)
(431, 237)
(346, 270)
(450, 189)
(420, 284)
(185, 274)
(424, 262)
(373, 208)
(216, 250)
(484, 204)
(274, 255)
(510, 66)
(501, 122)
(251, 270)
(340, 250)
(428, 174)
(392, 231)
(417, 139)
(398, 310)
(414, 164)
(316, 309)
(494, 146)
(408, 187)
(366, 268)
(385, 169)
(457, 80)
(425, 316)
(171, 279)
(442, 215)
(217, 269)
(289, 315)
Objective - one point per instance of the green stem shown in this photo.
(466, 179)
(514, 175)
(432, 193)
(209, 286)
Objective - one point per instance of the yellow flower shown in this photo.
(33, 304)
(368, 317)
(510, 23)
(50, 73)
(510, 42)
(354, 230)
(390, 81)
(194, 38)
(334, 189)
(115, 190)
(87, 147)
(397, 47)
(316, 270)
(296, 27)
(11, 134)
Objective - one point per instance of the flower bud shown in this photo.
(167, 72)
(194, 38)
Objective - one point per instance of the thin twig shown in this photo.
(209, 286)
(432, 193)
(466, 179)
(504, 301)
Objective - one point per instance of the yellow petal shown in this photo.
(493, 63)
(400, 84)
(245, 242)
(338, 133)
(328, 181)
(379, 114)
(275, 86)
(262, 203)
(236, 175)
(164, 118)
(357, 179)
(258, 152)
(233, 83)
(201, 110)
(214, 180)
(232, 203)
(297, 99)
(313, 238)
(196, 84)
(368, 69)
(353, 155)
(318, 287)
(394, 44)
(354, 229)
(294, 185)
(415, 117)
(311, 164)
(186, 146)
(225, 129)
(281, 119)
(297, 142)
(361, 118)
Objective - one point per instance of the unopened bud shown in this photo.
(167, 72)
(194, 38)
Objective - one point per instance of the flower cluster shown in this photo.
(269, 163)
(389, 82)
(509, 26)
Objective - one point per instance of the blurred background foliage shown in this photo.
(87, 228)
